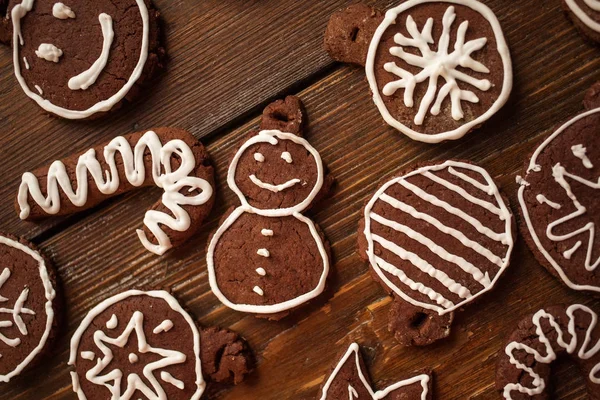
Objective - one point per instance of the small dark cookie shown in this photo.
(266, 257)
(585, 15)
(524, 364)
(350, 379)
(169, 158)
(559, 201)
(437, 69)
(28, 306)
(78, 59)
(437, 237)
(145, 343)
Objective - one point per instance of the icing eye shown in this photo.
(259, 157)
(61, 11)
(287, 157)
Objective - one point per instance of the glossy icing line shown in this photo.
(594, 5)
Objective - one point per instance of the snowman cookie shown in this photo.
(437, 238)
(143, 343)
(585, 15)
(350, 380)
(28, 306)
(267, 257)
(169, 158)
(437, 69)
(559, 200)
(77, 59)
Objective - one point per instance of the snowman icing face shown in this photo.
(276, 173)
(76, 59)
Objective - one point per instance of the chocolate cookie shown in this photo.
(77, 59)
(28, 306)
(144, 343)
(585, 15)
(350, 379)
(267, 257)
(169, 158)
(559, 203)
(437, 238)
(417, 44)
(525, 362)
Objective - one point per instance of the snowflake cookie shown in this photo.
(350, 380)
(140, 343)
(559, 201)
(28, 306)
(437, 69)
(437, 238)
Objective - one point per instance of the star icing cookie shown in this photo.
(350, 380)
(144, 343)
(437, 238)
(28, 306)
(559, 202)
(585, 15)
(267, 257)
(524, 364)
(437, 69)
(169, 158)
(78, 59)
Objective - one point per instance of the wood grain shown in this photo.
(228, 59)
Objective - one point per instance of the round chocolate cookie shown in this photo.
(28, 308)
(437, 69)
(437, 238)
(585, 15)
(350, 379)
(82, 58)
(136, 341)
(524, 364)
(267, 257)
(560, 207)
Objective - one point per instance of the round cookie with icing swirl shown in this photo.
(525, 363)
(585, 15)
(437, 238)
(437, 69)
(79, 59)
(29, 309)
(559, 202)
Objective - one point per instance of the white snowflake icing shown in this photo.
(436, 64)
(16, 312)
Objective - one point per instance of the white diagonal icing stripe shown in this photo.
(498, 237)
(488, 189)
(465, 195)
(483, 279)
(3, 278)
(416, 286)
(424, 266)
(456, 234)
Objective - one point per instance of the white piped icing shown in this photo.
(164, 326)
(19, 308)
(20, 11)
(494, 206)
(581, 152)
(88, 77)
(274, 188)
(287, 157)
(562, 177)
(259, 157)
(39, 89)
(261, 271)
(544, 200)
(585, 352)
(49, 52)
(270, 137)
(580, 13)
(436, 64)
(133, 358)
(352, 355)
(88, 355)
(26, 63)
(113, 322)
(263, 252)
(135, 326)
(108, 182)
(60, 11)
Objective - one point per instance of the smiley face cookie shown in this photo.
(78, 59)
(436, 69)
(267, 257)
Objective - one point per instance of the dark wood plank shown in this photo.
(99, 255)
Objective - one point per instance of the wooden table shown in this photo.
(228, 59)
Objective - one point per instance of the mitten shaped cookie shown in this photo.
(267, 257)
(82, 59)
(436, 69)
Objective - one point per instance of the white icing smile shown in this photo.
(274, 188)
